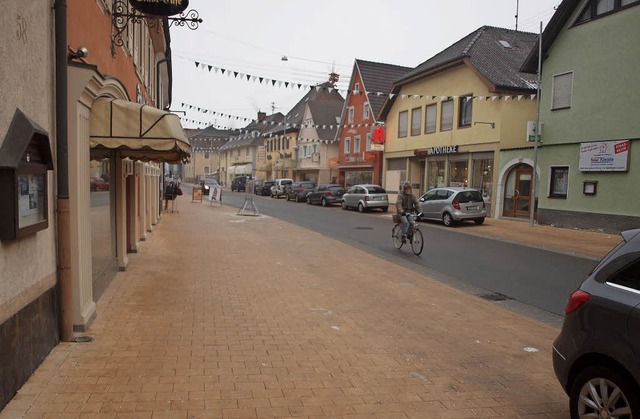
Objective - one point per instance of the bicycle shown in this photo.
(414, 235)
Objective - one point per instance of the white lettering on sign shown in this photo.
(445, 149)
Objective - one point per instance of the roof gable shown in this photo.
(378, 77)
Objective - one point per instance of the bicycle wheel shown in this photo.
(396, 235)
(417, 243)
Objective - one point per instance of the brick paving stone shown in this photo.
(222, 316)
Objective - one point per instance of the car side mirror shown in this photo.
(421, 199)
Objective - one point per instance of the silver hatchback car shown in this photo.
(366, 197)
(453, 204)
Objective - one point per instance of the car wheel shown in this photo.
(324, 202)
(344, 205)
(479, 220)
(602, 392)
(384, 209)
(361, 207)
(447, 219)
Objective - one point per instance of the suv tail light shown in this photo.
(366, 198)
(576, 300)
(456, 204)
(327, 193)
(300, 189)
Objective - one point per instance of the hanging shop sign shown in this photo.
(160, 7)
(378, 136)
(370, 155)
(446, 149)
(605, 156)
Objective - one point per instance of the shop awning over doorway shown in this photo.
(137, 131)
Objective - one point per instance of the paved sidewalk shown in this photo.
(224, 316)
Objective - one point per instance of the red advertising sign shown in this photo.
(370, 155)
(378, 136)
(621, 147)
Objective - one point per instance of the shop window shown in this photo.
(559, 182)
(458, 173)
(403, 120)
(483, 176)
(446, 117)
(435, 174)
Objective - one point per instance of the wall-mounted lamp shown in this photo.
(81, 52)
(493, 124)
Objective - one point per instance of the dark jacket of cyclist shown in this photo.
(405, 204)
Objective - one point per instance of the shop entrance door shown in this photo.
(517, 201)
(522, 194)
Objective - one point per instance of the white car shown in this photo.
(277, 190)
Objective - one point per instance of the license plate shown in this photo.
(472, 208)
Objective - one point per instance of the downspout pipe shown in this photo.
(64, 283)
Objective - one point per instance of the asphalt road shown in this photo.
(533, 281)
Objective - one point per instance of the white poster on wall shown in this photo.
(605, 156)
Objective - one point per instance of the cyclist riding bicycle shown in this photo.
(405, 204)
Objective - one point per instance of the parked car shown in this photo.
(257, 186)
(264, 188)
(239, 183)
(453, 204)
(326, 195)
(596, 356)
(278, 188)
(366, 197)
(298, 191)
(98, 184)
(208, 184)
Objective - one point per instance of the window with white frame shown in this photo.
(403, 121)
(416, 121)
(446, 116)
(598, 8)
(207, 170)
(357, 88)
(347, 145)
(350, 114)
(365, 111)
(246, 152)
(562, 91)
(206, 155)
(356, 144)
(559, 182)
(368, 146)
(431, 118)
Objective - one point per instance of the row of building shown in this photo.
(467, 117)
(84, 135)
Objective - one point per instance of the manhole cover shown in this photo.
(494, 296)
(82, 339)
(364, 228)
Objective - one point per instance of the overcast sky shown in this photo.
(250, 37)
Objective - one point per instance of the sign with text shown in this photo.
(445, 149)
(605, 156)
(160, 7)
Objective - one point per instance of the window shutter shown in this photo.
(562, 91)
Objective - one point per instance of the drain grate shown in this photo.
(82, 339)
(494, 296)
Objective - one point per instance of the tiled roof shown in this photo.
(326, 116)
(210, 138)
(251, 134)
(378, 77)
(497, 53)
(293, 119)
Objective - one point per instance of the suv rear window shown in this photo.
(307, 185)
(469, 196)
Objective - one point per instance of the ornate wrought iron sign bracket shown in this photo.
(121, 17)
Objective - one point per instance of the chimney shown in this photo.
(261, 116)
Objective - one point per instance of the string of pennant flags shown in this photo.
(229, 144)
(290, 84)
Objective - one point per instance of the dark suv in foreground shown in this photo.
(596, 356)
